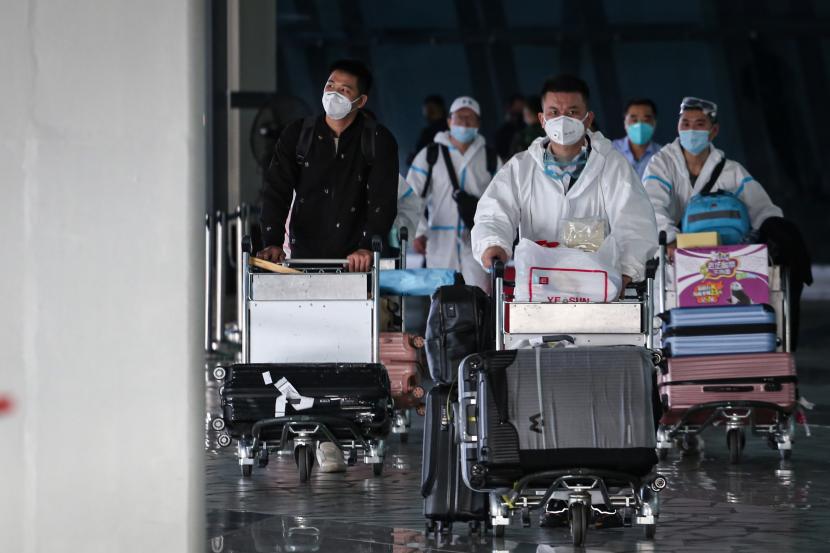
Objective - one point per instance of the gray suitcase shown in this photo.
(546, 409)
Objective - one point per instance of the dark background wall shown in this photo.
(764, 62)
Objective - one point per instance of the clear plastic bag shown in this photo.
(585, 234)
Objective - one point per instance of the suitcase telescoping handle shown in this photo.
(377, 246)
(660, 284)
(403, 238)
(498, 300)
(243, 294)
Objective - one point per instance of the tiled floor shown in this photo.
(762, 504)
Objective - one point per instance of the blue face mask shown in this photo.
(640, 133)
(694, 142)
(465, 135)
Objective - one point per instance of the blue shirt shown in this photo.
(622, 146)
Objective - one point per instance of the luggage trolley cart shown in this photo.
(311, 324)
(763, 419)
(577, 496)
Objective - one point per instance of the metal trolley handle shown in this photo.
(247, 250)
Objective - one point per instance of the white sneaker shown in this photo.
(330, 458)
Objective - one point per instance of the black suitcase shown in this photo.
(594, 410)
(345, 395)
(446, 498)
(459, 323)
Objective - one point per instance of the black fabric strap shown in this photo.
(713, 179)
(450, 169)
(367, 139)
(492, 160)
(432, 158)
(304, 142)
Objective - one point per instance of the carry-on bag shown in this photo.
(400, 354)
(459, 323)
(346, 395)
(719, 330)
(547, 409)
(687, 382)
(446, 498)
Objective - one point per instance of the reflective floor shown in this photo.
(763, 504)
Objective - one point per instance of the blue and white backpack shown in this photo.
(720, 212)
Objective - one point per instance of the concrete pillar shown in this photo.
(102, 195)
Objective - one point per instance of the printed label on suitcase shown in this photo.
(288, 394)
(725, 275)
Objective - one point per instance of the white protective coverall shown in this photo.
(522, 196)
(448, 241)
(410, 208)
(668, 185)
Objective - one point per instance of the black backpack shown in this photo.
(459, 324)
(467, 203)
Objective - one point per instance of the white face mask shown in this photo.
(336, 105)
(564, 130)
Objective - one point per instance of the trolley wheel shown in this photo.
(404, 437)
(247, 470)
(579, 523)
(525, 518)
(735, 439)
(649, 530)
(498, 531)
(662, 454)
(690, 443)
(304, 462)
(262, 460)
(429, 527)
(786, 454)
(377, 468)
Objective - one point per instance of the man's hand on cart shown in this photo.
(420, 244)
(492, 253)
(274, 254)
(360, 261)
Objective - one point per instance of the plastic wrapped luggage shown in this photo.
(446, 498)
(345, 396)
(458, 324)
(719, 330)
(693, 381)
(399, 353)
(529, 411)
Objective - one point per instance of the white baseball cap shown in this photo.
(465, 102)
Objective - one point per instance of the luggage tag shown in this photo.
(288, 393)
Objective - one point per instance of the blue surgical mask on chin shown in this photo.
(465, 135)
(694, 142)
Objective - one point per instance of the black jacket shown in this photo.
(341, 200)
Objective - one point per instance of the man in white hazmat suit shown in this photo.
(681, 169)
(569, 174)
(444, 237)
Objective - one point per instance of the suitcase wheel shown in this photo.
(305, 460)
(579, 513)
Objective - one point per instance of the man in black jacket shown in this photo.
(340, 169)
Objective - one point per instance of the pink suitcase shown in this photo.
(399, 354)
(691, 381)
